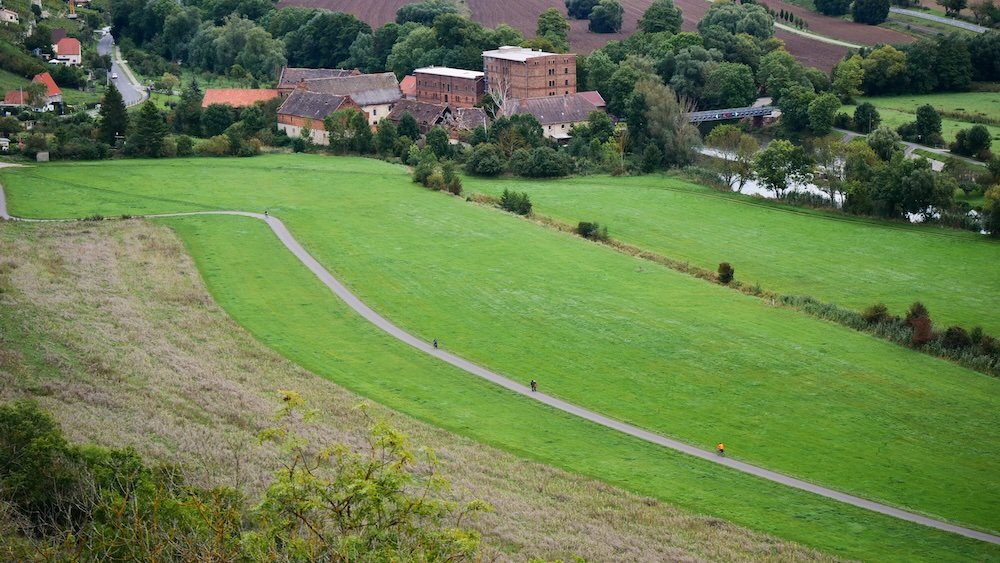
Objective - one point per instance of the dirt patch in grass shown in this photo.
(124, 346)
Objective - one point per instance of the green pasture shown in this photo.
(899, 110)
(638, 342)
(833, 258)
(264, 288)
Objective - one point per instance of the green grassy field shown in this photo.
(636, 341)
(271, 294)
(834, 258)
(899, 110)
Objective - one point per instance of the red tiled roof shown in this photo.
(15, 98)
(68, 46)
(593, 97)
(50, 85)
(237, 97)
(409, 86)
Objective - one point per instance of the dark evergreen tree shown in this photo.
(114, 116)
(150, 131)
(187, 114)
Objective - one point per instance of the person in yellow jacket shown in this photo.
(720, 448)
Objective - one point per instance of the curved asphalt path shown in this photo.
(387, 326)
(935, 18)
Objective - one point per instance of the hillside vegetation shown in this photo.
(110, 328)
(621, 336)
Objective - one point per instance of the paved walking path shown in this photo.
(426, 347)
(935, 18)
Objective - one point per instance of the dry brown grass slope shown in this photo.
(109, 326)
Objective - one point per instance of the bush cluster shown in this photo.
(592, 231)
(66, 502)
(438, 177)
(515, 202)
(726, 273)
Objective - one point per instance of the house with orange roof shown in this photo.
(68, 51)
(238, 97)
(52, 97)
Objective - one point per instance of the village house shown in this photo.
(52, 97)
(68, 51)
(453, 86)
(520, 73)
(558, 114)
(375, 93)
(304, 110)
(237, 97)
(291, 77)
(9, 16)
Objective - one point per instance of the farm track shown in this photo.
(289, 241)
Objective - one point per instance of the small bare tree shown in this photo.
(504, 103)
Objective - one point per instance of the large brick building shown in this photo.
(454, 86)
(526, 73)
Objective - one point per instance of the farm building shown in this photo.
(9, 16)
(427, 115)
(467, 119)
(307, 110)
(292, 76)
(453, 86)
(68, 51)
(558, 114)
(375, 93)
(520, 73)
(237, 97)
(408, 85)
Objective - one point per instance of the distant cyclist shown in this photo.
(534, 386)
(720, 448)
(435, 342)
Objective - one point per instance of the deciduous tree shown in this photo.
(606, 17)
(662, 15)
(780, 164)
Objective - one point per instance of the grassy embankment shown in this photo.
(111, 329)
(960, 107)
(616, 334)
(838, 259)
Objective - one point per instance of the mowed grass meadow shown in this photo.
(961, 108)
(639, 342)
(838, 259)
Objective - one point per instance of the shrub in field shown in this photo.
(485, 160)
(923, 331)
(876, 314)
(515, 202)
(916, 311)
(592, 231)
(956, 338)
(215, 146)
(726, 272)
(434, 181)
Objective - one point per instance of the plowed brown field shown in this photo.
(523, 14)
